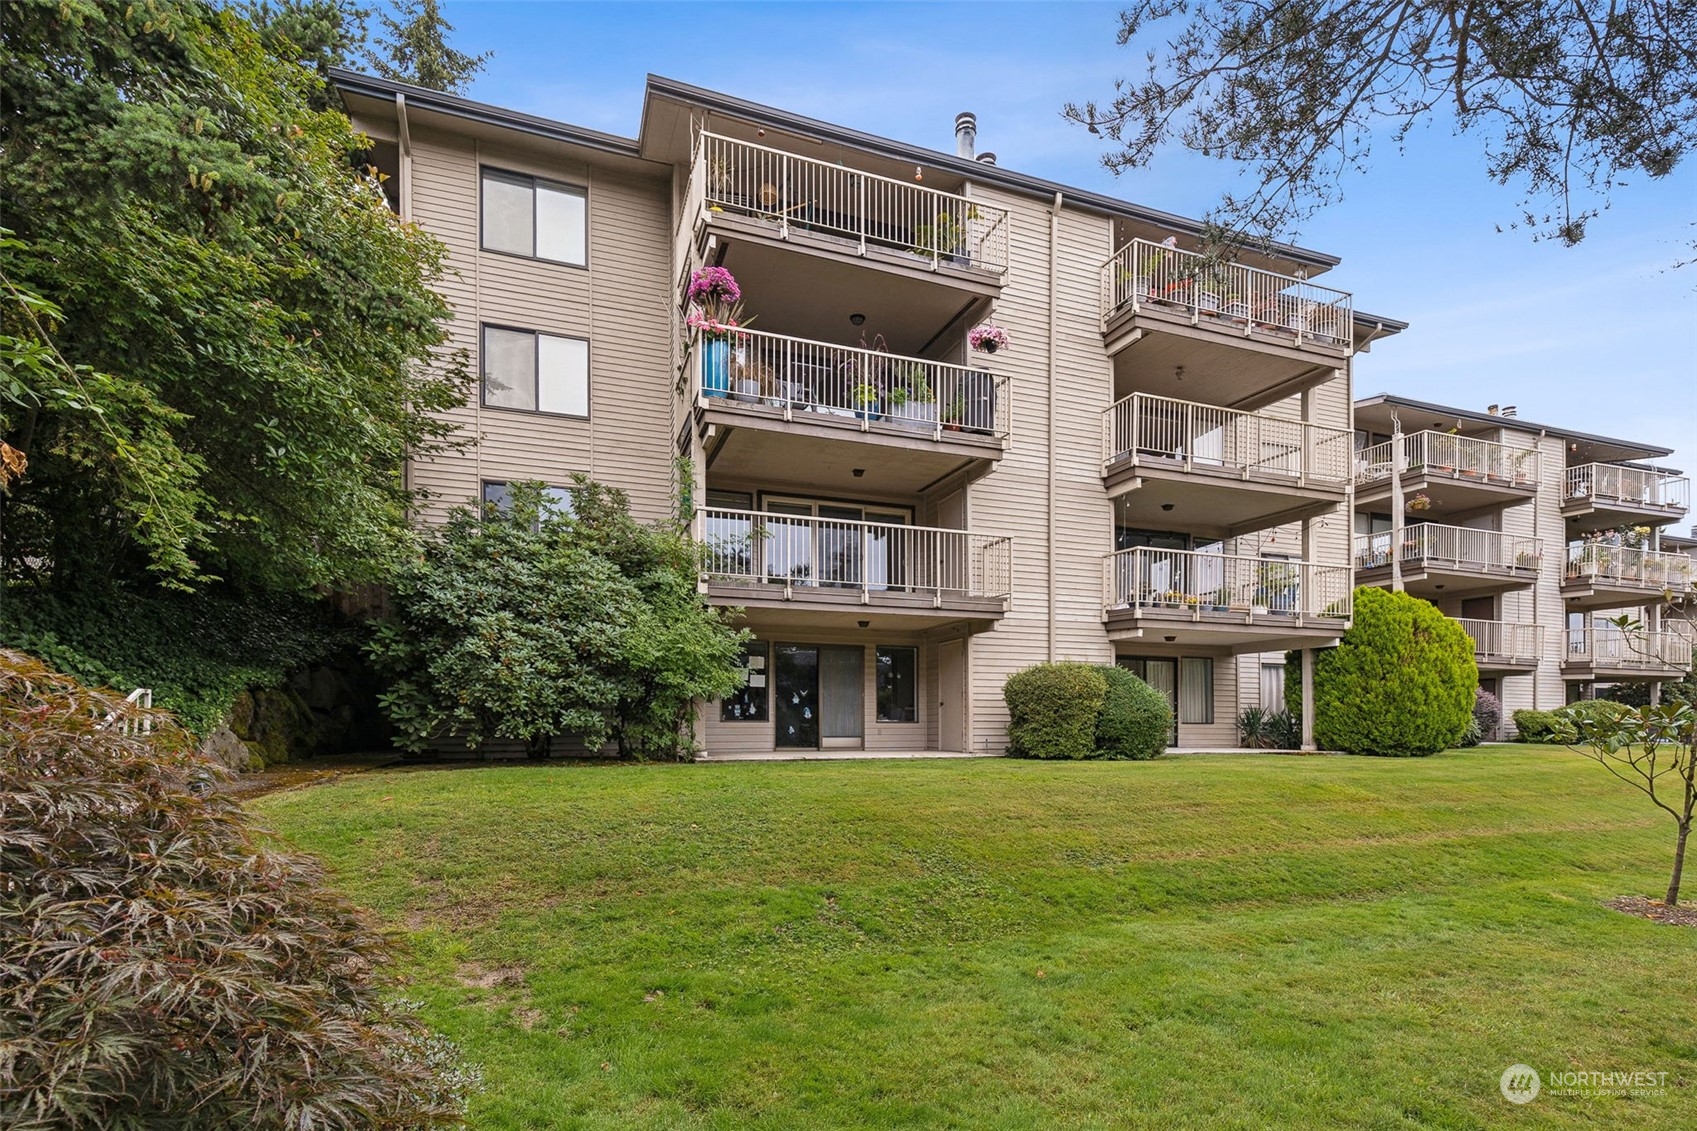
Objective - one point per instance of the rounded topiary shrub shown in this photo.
(1052, 710)
(1401, 682)
(1135, 719)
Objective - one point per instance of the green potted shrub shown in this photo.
(865, 398)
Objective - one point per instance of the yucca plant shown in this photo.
(163, 963)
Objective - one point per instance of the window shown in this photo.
(748, 705)
(537, 219)
(535, 372)
(1196, 690)
(500, 496)
(898, 685)
(1273, 687)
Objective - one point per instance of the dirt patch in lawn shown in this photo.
(1681, 916)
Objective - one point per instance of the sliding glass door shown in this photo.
(818, 696)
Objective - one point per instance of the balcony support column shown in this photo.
(1308, 699)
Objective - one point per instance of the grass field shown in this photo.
(1198, 942)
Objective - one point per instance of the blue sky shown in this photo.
(1598, 337)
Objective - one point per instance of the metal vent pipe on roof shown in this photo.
(966, 135)
(1510, 410)
(986, 158)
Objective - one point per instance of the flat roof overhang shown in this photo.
(1218, 502)
(1505, 665)
(1583, 516)
(1454, 496)
(1581, 594)
(1229, 633)
(1435, 581)
(1175, 359)
(821, 607)
(1374, 414)
(750, 443)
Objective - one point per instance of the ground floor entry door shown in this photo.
(819, 696)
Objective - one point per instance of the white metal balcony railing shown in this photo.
(1434, 545)
(1600, 563)
(871, 386)
(1502, 640)
(1143, 273)
(1459, 457)
(798, 551)
(824, 198)
(1605, 645)
(1203, 435)
(1197, 582)
(1630, 486)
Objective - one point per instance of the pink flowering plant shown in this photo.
(715, 303)
(987, 338)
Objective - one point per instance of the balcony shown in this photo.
(1258, 336)
(1230, 601)
(758, 192)
(1461, 475)
(1504, 648)
(1607, 652)
(1450, 561)
(1598, 496)
(1218, 471)
(825, 572)
(1601, 576)
(780, 409)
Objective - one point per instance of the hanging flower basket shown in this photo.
(987, 338)
(1420, 503)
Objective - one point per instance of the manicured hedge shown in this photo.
(1075, 711)
(1135, 719)
(1053, 709)
(1400, 683)
(1535, 726)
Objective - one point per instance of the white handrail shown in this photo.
(1631, 486)
(1504, 640)
(800, 551)
(1200, 584)
(871, 386)
(141, 697)
(805, 194)
(1628, 566)
(1602, 643)
(1433, 543)
(1256, 444)
(1147, 274)
(1440, 454)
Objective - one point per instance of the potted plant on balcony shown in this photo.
(954, 418)
(945, 239)
(866, 400)
(912, 403)
(715, 316)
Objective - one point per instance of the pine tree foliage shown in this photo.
(413, 48)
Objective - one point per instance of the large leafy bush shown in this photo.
(1135, 719)
(1052, 710)
(162, 965)
(537, 623)
(1400, 683)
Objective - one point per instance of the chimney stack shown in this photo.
(966, 135)
(986, 158)
(1491, 410)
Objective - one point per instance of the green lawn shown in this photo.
(1198, 942)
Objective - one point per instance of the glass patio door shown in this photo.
(818, 696)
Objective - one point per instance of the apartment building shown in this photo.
(1155, 469)
(1534, 537)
